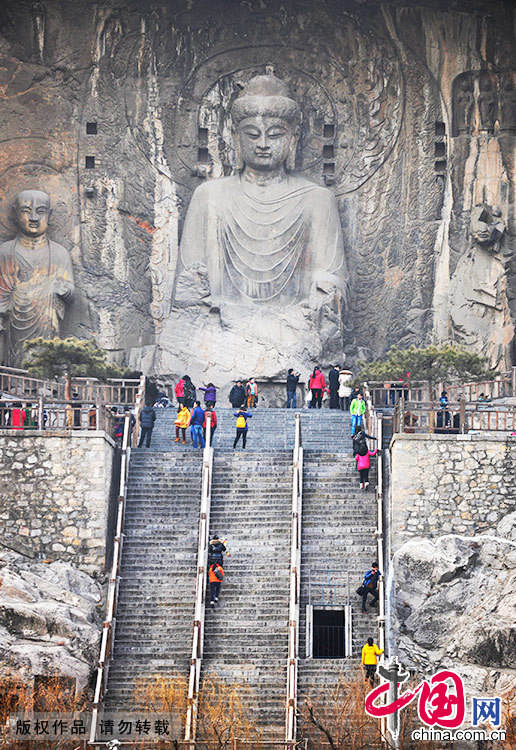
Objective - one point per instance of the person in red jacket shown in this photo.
(18, 416)
(215, 576)
(213, 423)
(318, 387)
(179, 390)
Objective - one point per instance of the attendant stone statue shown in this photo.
(480, 312)
(266, 235)
(36, 278)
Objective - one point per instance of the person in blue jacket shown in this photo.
(370, 586)
(196, 422)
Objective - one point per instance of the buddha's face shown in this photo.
(32, 209)
(265, 141)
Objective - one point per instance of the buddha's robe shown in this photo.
(265, 244)
(35, 285)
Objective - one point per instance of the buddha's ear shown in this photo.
(290, 162)
(239, 162)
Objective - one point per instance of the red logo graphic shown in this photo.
(439, 702)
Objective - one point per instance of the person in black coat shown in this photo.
(292, 381)
(147, 419)
(237, 395)
(216, 551)
(333, 377)
(359, 439)
(190, 392)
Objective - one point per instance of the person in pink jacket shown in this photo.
(363, 466)
(318, 387)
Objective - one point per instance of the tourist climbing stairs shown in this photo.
(338, 546)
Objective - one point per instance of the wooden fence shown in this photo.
(20, 384)
(455, 417)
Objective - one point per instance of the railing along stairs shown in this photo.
(109, 624)
(295, 584)
(375, 428)
(200, 592)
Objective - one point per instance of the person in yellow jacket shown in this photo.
(181, 423)
(370, 652)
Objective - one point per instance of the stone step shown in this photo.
(246, 635)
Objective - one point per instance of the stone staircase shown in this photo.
(157, 588)
(246, 634)
(269, 430)
(339, 521)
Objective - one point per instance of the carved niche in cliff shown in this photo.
(346, 122)
(484, 102)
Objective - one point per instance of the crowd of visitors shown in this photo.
(243, 398)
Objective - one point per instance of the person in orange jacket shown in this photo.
(215, 577)
(370, 652)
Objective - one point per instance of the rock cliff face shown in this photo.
(49, 619)
(454, 603)
(119, 112)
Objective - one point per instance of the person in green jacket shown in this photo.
(357, 411)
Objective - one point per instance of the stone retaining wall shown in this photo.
(54, 490)
(442, 484)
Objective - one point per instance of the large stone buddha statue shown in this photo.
(265, 235)
(262, 283)
(36, 278)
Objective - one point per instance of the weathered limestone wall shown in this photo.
(119, 111)
(453, 541)
(54, 490)
(450, 484)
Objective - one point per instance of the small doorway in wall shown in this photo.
(328, 632)
(329, 639)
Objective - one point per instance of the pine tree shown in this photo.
(69, 357)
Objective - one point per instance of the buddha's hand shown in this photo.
(62, 288)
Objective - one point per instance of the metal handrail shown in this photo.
(108, 627)
(375, 428)
(140, 403)
(460, 417)
(295, 584)
(389, 392)
(200, 590)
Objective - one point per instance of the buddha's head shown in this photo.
(31, 212)
(266, 125)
